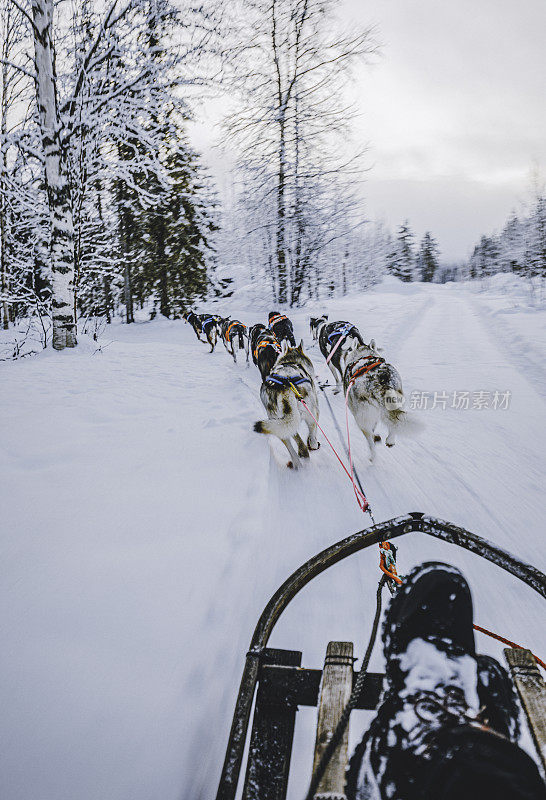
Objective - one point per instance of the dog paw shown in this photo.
(290, 465)
(377, 437)
(390, 444)
(316, 447)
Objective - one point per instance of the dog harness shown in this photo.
(276, 319)
(266, 343)
(286, 380)
(235, 322)
(206, 322)
(356, 373)
(341, 332)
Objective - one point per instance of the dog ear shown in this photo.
(326, 316)
(372, 345)
(300, 346)
(284, 346)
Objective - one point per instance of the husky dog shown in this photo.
(292, 369)
(267, 352)
(281, 327)
(374, 394)
(210, 324)
(194, 321)
(254, 333)
(234, 334)
(315, 325)
(329, 337)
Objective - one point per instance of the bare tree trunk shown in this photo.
(4, 165)
(58, 191)
(281, 218)
(3, 208)
(344, 271)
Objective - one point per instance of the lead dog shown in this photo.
(282, 328)
(194, 321)
(234, 334)
(284, 410)
(375, 394)
(329, 336)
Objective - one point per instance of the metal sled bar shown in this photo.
(532, 692)
(384, 531)
(272, 735)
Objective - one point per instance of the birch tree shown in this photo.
(289, 71)
(58, 191)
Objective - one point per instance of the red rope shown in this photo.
(507, 641)
(353, 379)
(361, 498)
(362, 501)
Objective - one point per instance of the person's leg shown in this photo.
(447, 723)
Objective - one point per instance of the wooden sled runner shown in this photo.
(280, 685)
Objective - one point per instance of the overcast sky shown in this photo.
(454, 111)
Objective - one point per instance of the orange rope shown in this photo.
(507, 641)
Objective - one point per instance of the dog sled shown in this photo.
(275, 684)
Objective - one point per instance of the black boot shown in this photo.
(498, 704)
(427, 740)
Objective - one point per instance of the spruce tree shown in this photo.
(402, 260)
(427, 259)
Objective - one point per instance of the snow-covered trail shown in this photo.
(146, 525)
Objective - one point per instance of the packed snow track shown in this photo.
(145, 525)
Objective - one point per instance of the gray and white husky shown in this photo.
(315, 324)
(284, 410)
(375, 394)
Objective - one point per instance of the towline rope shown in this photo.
(389, 570)
(386, 565)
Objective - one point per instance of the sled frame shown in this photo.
(256, 657)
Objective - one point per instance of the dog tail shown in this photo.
(241, 339)
(406, 424)
(282, 426)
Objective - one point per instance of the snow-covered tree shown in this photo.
(105, 143)
(427, 258)
(402, 258)
(289, 74)
(55, 167)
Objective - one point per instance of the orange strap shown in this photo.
(276, 319)
(230, 327)
(266, 343)
(364, 369)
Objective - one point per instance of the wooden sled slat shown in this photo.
(532, 693)
(272, 734)
(337, 683)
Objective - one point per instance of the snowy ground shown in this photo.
(145, 526)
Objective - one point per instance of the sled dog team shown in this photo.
(289, 391)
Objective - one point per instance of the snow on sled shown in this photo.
(279, 685)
